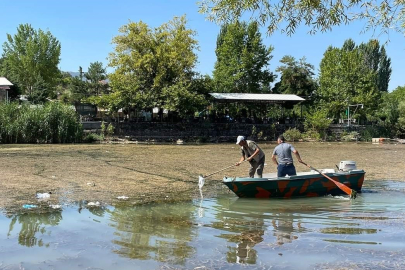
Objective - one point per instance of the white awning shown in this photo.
(264, 98)
(4, 83)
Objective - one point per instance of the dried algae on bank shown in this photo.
(150, 173)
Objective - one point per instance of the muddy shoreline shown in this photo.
(158, 172)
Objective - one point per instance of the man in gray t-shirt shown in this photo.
(285, 163)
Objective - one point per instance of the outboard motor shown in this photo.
(347, 165)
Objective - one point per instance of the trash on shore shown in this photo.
(93, 204)
(46, 195)
(122, 198)
(55, 206)
(29, 206)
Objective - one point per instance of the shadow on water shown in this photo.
(219, 233)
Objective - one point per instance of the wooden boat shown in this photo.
(304, 184)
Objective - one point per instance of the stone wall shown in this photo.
(204, 131)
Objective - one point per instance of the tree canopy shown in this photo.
(30, 59)
(296, 77)
(242, 60)
(318, 15)
(154, 67)
(353, 75)
(95, 75)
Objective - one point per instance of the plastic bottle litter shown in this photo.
(43, 195)
(122, 198)
(55, 206)
(29, 206)
(93, 204)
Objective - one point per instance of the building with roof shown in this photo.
(257, 98)
(4, 87)
(262, 103)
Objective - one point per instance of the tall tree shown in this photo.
(242, 59)
(96, 73)
(151, 64)
(345, 80)
(31, 59)
(391, 112)
(349, 45)
(296, 77)
(376, 59)
(318, 15)
(384, 71)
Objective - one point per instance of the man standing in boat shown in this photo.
(251, 152)
(285, 163)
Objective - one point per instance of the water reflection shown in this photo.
(33, 226)
(212, 233)
(249, 222)
(161, 232)
(246, 222)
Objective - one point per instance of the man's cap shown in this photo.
(239, 139)
(281, 137)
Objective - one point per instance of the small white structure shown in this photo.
(4, 87)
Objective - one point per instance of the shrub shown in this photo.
(93, 137)
(292, 134)
(369, 133)
(50, 123)
(352, 136)
(103, 127)
(110, 130)
(312, 135)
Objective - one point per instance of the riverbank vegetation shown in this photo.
(154, 73)
(49, 123)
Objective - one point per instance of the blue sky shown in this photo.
(85, 30)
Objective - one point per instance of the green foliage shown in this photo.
(320, 15)
(150, 64)
(292, 134)
(390, 115)
(179, 98)
(296, 77)
(371, 132)
(311, 135)
(103, 128)
(353, 75)
(254, 131)
(30, 60)
(96, 74)
(384, 71)
(352, 136)
(317, 120)
(50, 123)
(401, 120)
(110, 130)
(93, 137)
(242, 60)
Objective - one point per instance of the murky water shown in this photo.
(218, 233)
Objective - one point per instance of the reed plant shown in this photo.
(50, 123)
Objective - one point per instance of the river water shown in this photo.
(214, 233)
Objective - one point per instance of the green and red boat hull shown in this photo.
(311, 185)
